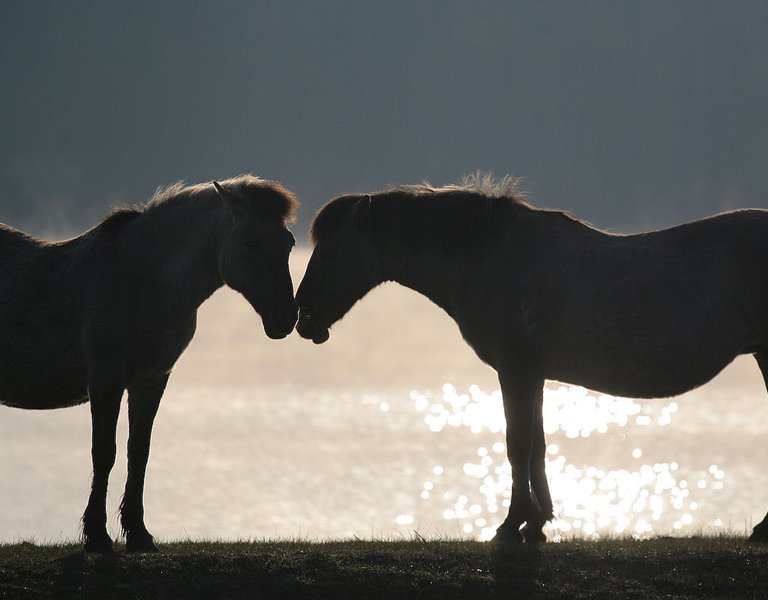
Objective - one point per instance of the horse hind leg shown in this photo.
(532, 532)
(760, 531)
(521, 394)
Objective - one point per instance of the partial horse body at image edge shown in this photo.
(112, 309)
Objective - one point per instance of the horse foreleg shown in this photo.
(143, 401)
(522, 399)
(539, 485)
(105, 407)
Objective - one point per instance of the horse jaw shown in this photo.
(278, 324)
(321, 336)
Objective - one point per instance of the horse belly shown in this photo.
(644, 384)
(643, 376)
(652, 344)
(45, 398)
(42, 380)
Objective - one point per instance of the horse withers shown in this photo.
(113, 309)
(541, 295)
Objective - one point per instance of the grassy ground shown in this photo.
(660, 568)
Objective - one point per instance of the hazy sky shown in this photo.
(630, 114)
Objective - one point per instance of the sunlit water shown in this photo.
(391, 427)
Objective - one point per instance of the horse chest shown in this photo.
(498, 332)
(156, 349)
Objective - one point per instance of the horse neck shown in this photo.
(434, 274)
(178, 243)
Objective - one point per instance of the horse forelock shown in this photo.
(331, 216)
(274, 198)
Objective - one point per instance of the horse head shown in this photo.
(253, 258)
(344, 266)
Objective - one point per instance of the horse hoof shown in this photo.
(533, 535)
(507, 536)
(758, 537)
(142, 545)
(102, 546)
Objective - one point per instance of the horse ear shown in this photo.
(234, 202)
(362, 208)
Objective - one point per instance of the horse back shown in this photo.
(651, 314)
(659, 313)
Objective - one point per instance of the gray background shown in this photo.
(630, 114)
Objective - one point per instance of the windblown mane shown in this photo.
(479, 182)
(454, 215)
(273, 198)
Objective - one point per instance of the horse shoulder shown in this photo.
(498, 304)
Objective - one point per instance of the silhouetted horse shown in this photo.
(538, 294)
(114, 308)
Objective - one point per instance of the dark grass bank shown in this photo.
(659, 568)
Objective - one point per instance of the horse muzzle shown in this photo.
(279, 323)
(310, 329)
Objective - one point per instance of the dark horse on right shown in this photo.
(541, 295)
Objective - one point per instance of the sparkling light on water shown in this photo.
(589, 500)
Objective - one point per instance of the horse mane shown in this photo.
(118, 217)
(271, 197)
(450, 216)
(479, 182)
